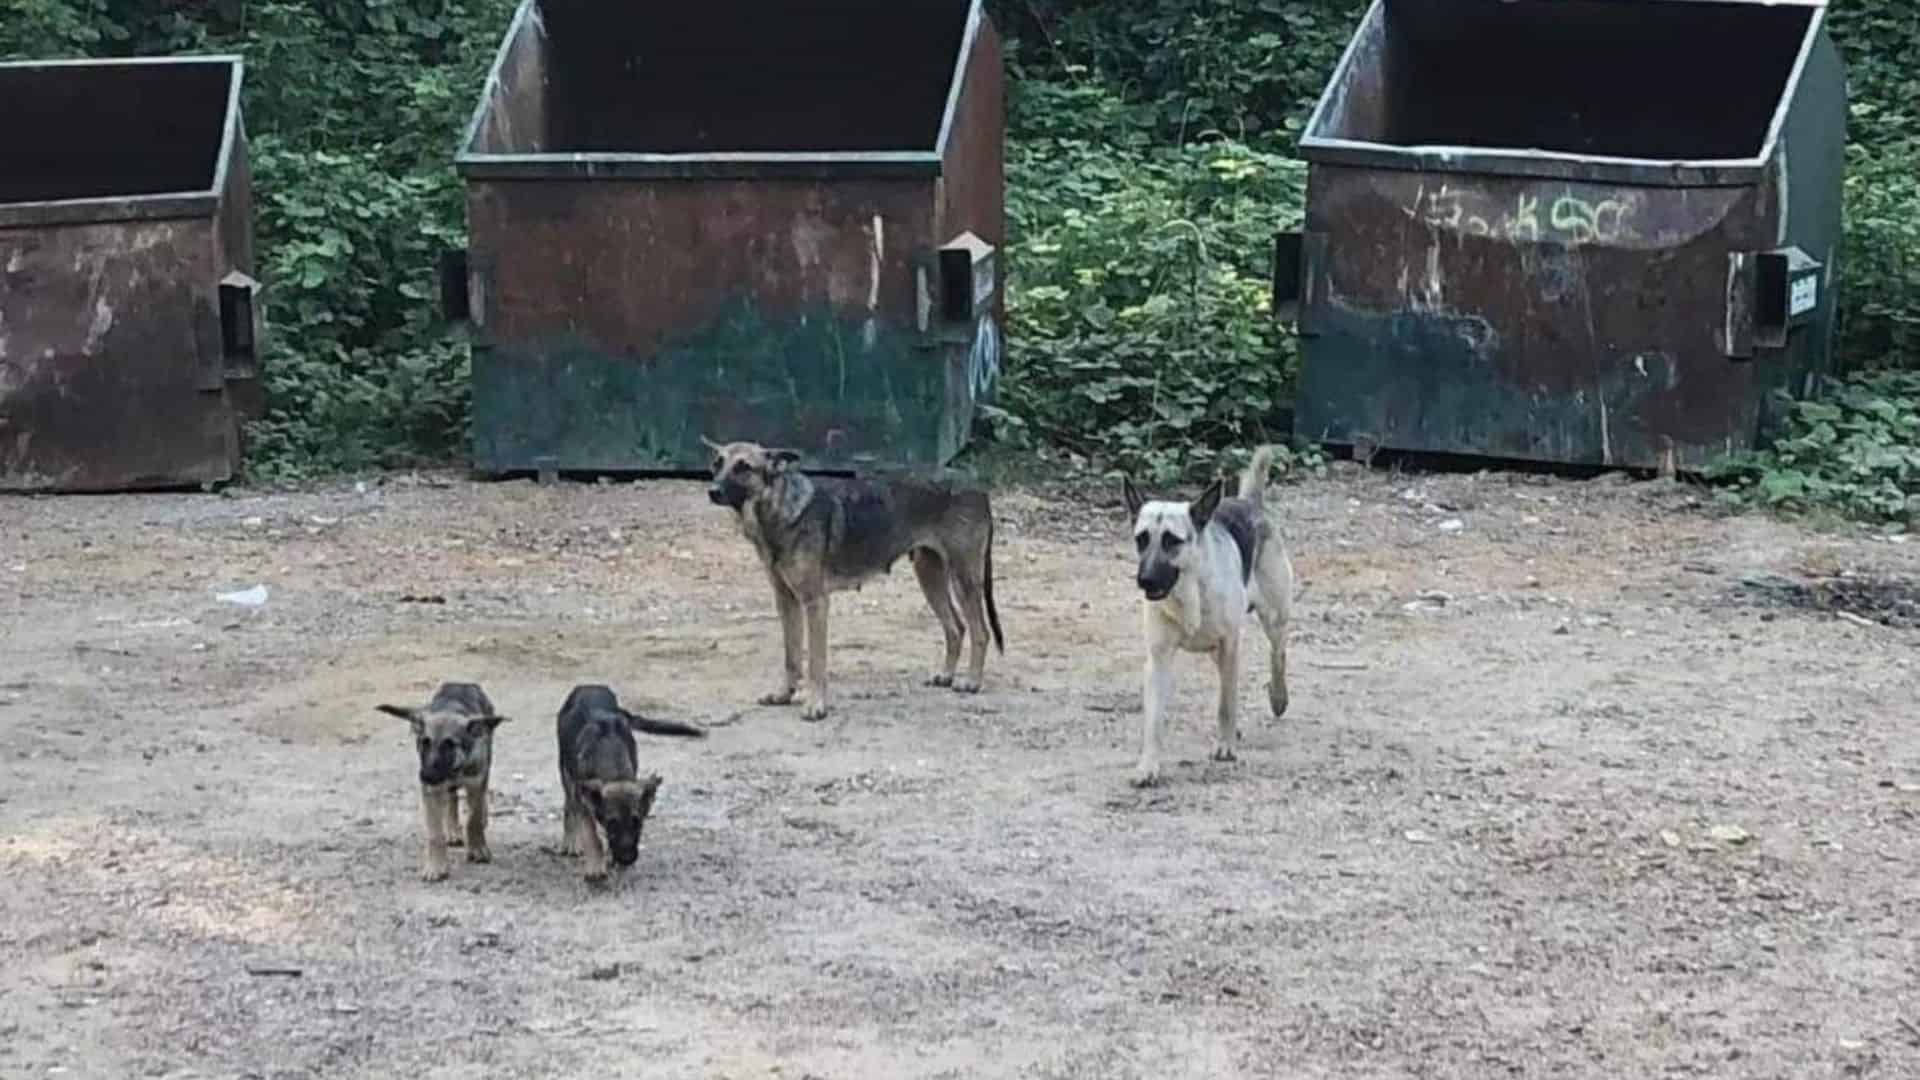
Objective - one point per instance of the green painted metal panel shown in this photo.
(843, 393)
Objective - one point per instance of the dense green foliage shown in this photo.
(1149, 167)
(1858, 451)
(1150, 161)
(1855, 451)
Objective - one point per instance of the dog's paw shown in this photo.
(1277, 700)
(455, 841)
(940, 678)
(777, 697)
(568, 848)
(965, 685)
(479, 853)
(434, 872)
(1223, 752)
(1145, 776)
(813, 709)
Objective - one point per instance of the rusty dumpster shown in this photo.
(776, 222)
(127, 325)
(1594, 232)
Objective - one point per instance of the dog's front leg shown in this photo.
(1158, 692)
(477, 850)
(593, 849)
(1226, 738)
(791, 630)
(433, 810)
(573, 818)
(814, 706)
(453, 817)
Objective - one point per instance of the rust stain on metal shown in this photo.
(1506, 252)
(114, 370)
(628, 265)
(763, 261)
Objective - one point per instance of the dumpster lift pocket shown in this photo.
(1299, 276)
(465, 280)
(455, 298)
(239, 325)
(1769, 295)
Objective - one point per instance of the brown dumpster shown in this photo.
(744, 220)
(126, 303)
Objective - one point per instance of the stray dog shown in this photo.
(600, 777)
(1204, 566)
(820, 536)
(454, 736)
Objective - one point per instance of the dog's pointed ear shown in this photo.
(711, 445)
(1134, 501)
(484, 725)
(1201, 511)
(782, 459)
(592, 790)
(649, 788)
(410, 715)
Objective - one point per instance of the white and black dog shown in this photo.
(1204, 567)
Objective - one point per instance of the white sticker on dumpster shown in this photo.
(1806, 293)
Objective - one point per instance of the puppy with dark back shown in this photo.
(819, 535)
(600, 777)
(453, 736)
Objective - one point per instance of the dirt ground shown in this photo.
(1559, 796)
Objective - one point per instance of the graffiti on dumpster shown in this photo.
(983, 360)
(1570, 219)
(1586, 222)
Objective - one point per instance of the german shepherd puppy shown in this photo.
(1204, 567)
(453, 735)
(817, 536)
(600, 777)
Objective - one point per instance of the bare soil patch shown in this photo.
(1557, 797)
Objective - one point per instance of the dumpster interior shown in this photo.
(75, 131)
(1648, 79)
(746, 76)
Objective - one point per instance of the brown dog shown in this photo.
(817, 536)
(454, 737)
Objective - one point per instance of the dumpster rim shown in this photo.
(521, 14)
(1547, 164)
(1557, 164)
(172, 59)
(834, 165)
(153, 206)
(713, 165)
(969, 39)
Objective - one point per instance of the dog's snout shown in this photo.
(1156, 580)
(716, 494)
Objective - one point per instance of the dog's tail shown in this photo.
(993, 613)
(651, 726)
(1253, 482)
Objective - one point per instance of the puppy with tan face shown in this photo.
(817, 536)
(453, 739)
(1204, 567)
